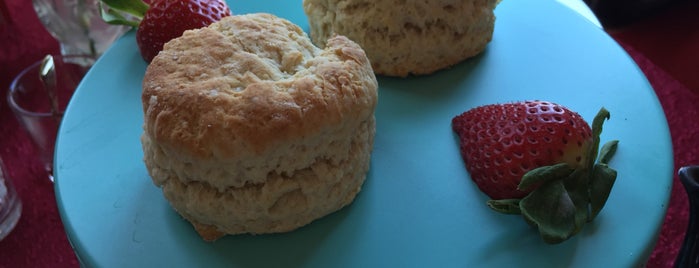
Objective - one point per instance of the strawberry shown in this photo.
(160, 21)
(538, 159)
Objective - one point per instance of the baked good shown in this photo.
(406, 37)
(250, 128)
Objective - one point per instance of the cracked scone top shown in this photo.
(403, 37)
(250, 128)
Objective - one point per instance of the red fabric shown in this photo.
(38, 240)
(666, 47)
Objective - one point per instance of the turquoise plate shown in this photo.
(418, 207)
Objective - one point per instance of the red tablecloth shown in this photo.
(665, 46)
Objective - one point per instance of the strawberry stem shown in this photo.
(597, 123)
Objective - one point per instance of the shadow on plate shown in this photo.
(434, 88)
(520, 242)
(292, 249)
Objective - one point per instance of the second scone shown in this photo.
(406, 37)
(250, 128)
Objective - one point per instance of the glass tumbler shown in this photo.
(39, 105)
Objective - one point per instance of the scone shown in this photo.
(250, 128)
(406, 37)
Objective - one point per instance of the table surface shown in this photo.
(663, 45)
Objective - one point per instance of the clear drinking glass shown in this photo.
(77, 26)
(10, 205)
(31, 99)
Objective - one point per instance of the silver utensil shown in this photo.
(47, 75)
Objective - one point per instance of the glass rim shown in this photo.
(15, 81)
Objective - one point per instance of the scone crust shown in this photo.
(406, 37)
(250, 128)
(263, 85)
(249, 84)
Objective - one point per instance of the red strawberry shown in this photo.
(502, 142)
(163, 20)
(537, 159)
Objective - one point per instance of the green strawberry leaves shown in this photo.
(123, 12)
(552, 209)
(607, 151)
(544, 174)
(601, 183)
(506, 206)
(565, 199)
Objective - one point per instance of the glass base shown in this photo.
(10, 209)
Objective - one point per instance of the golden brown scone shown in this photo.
(250, 128)
(406, 37)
